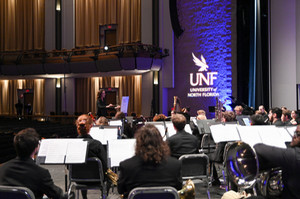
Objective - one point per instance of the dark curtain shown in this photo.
(253, 53)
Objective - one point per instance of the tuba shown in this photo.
(242, 168)
(187, 191)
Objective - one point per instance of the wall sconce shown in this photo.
(155, 77)
(58, 5)
(58, 82)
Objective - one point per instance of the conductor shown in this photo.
(101, 104)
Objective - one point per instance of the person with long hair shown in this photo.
(151, 165)
(84, 124)
(101, 103)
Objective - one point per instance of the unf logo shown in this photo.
(200, 77)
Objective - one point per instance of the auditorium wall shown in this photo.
(284, 46)
(207, 37)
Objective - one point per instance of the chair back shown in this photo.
(90, 171)
(164, 192)
(207, 144)
(12, 192)
(194, 166)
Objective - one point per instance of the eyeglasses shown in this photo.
(297, 133)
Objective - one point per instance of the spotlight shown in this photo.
(106, 48)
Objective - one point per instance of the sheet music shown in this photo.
(44, 147)
(285, 136)
(55, 150)
(162, 130)
(249, 135)
(291, 130)
(115, 122)
(188, 129)
(171, 129)
(194, 120)
(104, 134)
(119, 150)
(76, 152)
(270, 136)
(221, 133)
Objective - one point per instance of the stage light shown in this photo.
(106, 48)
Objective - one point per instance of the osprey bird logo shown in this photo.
(201, 63)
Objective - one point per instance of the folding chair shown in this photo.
(86, 176)
(207, 144)
(12, 192)
(196, 166)
(153, 192)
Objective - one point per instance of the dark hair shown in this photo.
(100, 92)
(150, 145)
(120, 115)
(257, 119)
(229, 116)
(287, 113)
(179, 121)
(278, 112)
(25, 142)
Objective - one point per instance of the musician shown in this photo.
(151, 165)
(101, 103)
(127, 129)
(102, 121)
(159, 117)
(238, 110)
(294, 118)
(182, 142)
(286, 117)
(275, 116)
(22, 171)
(84, 124)
(288, 159)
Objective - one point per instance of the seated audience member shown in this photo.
(151, 165)
(288, 159)
(102, 121)
(22, 171)
(127, 130)
(238, 110)
(286, 117)
(84, 124)
(159, 117)
(275, 116)
(294, 118)
(257, 119)
(182, 142)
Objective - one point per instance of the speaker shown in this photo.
(174, 18)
